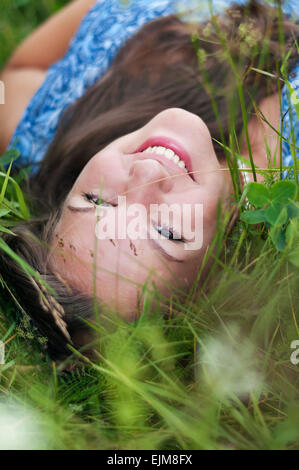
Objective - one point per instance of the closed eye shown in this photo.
(98, 201)
(86, 202)
(168, 233)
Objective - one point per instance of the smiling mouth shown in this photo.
(170, 150)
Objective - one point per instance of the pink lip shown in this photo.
(170, 144)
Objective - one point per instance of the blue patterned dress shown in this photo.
(105, 28)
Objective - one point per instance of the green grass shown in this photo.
(19, 18)
(215, 374)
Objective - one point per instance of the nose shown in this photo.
(147, 178)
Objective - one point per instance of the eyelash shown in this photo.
(95, 200)
(161, 229)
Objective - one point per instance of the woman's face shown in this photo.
(134, 214)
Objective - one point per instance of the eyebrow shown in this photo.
(163, 252)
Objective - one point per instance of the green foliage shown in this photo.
(276, 207)
(215, 373)
(18, 18)
(13, 207)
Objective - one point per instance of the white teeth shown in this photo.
(168, 153)
(160, 150)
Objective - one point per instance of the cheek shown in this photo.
(203, 214)
(75, 272)
(102, 168)
(72, 254)
(210, 209)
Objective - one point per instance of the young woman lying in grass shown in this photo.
(141, 105)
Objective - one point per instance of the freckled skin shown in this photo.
(133, 248)
(61, 243)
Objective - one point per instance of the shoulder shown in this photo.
(19, 85)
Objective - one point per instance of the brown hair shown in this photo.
(159, 68)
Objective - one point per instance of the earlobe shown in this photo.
(243, 173)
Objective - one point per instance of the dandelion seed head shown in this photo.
(229, 365)
(19, 428)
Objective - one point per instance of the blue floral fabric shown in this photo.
(290, 129)
(105, 28)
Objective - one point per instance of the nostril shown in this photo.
(150, 172)
(147, 168)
